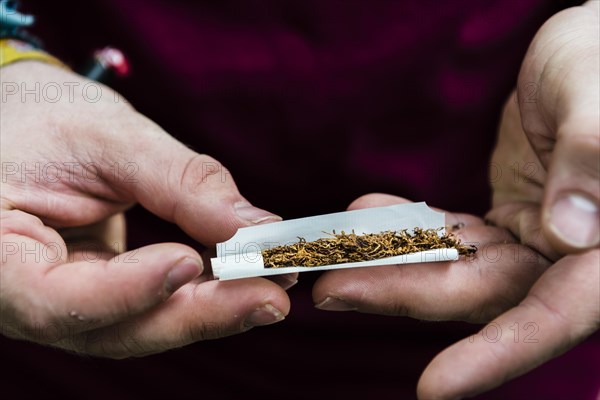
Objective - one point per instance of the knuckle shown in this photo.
(199, 171)
(587, 150)
(532, 127)
(202, 331)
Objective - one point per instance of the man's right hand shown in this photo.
(74, 157)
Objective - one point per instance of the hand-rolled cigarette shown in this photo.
(399, 234)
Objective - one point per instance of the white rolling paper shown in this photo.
(240, 256)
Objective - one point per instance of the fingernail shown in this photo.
(183, 272)
(264, 315)
(254, 215)
(335, 304)
(575, 219)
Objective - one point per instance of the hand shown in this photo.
(562, 308)
(546, 181)
(479, 288)
(71, 164)
(547, 195)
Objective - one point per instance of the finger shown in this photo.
(384, 200)
(196, 312)
(42, 289)
(563, 125)
(98, 293)
(571, 218)
(193, 190)
(562, 309)
(23, 239)
(473, 289)
(22, 224)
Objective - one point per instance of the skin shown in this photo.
(532, 274)
(65, 278)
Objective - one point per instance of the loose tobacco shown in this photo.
(347, 248)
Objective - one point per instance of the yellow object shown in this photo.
(12, 50)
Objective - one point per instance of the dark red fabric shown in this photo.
(309, 104)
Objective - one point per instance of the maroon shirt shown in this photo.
(309, 104)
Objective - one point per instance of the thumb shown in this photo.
(193, 190)
(570, 212)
